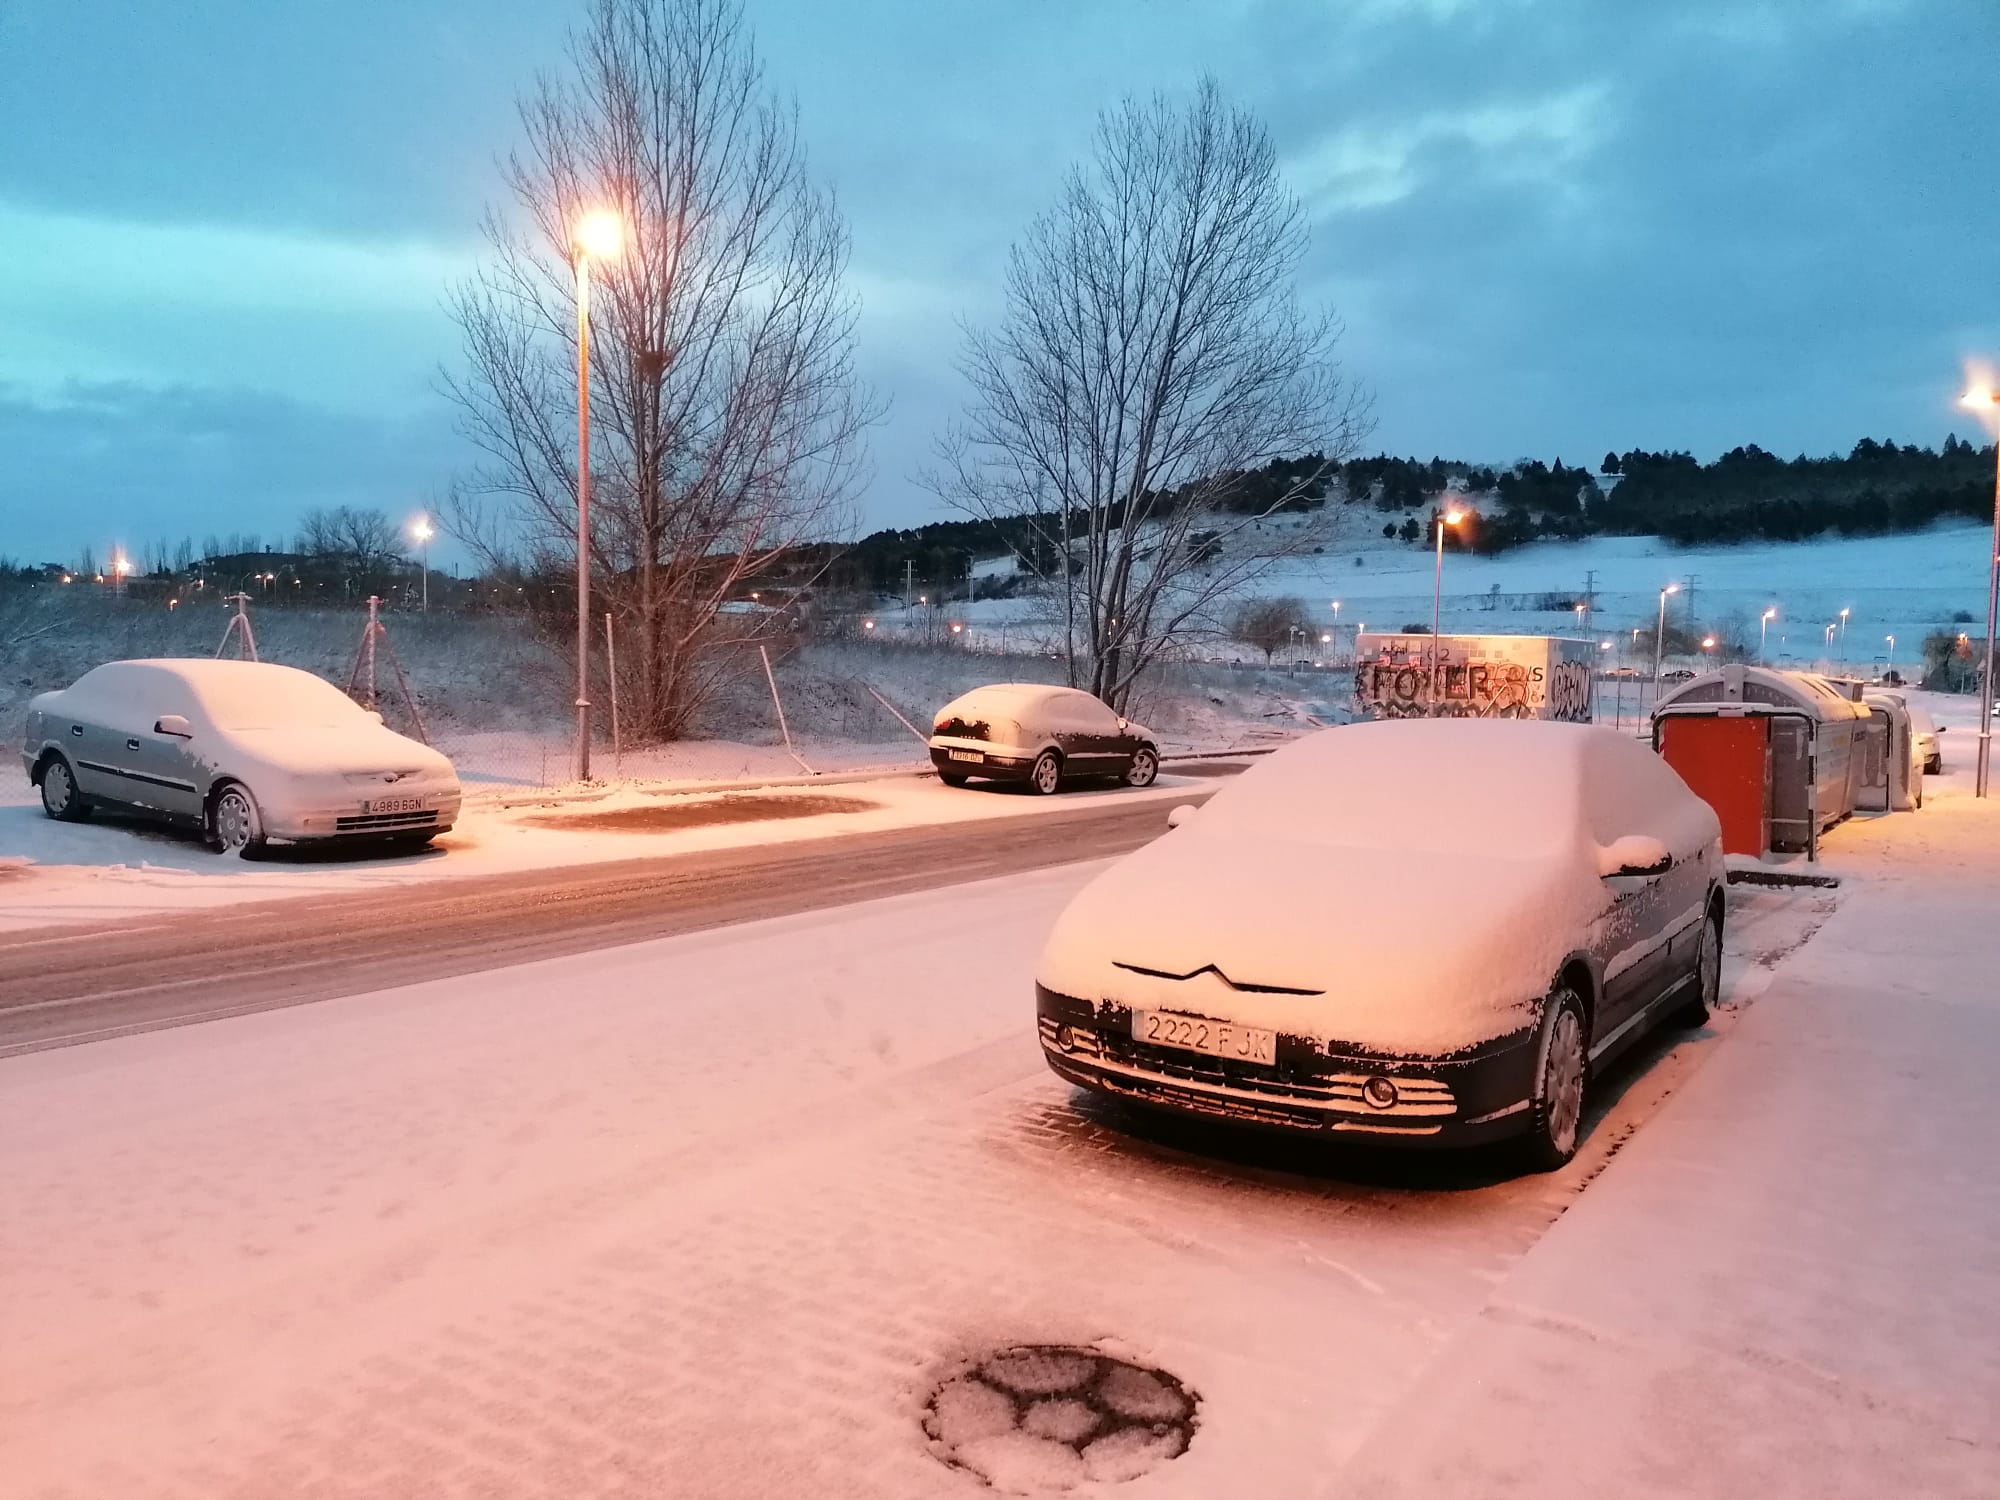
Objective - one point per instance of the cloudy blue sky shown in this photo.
(1553, 226)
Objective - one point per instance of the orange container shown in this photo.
(1726, 761)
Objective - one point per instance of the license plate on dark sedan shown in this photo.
(972, 755)
(1210, 1038)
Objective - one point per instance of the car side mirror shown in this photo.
(1124, 724)
(174, 725)
(1635, 854)
(1180, 815)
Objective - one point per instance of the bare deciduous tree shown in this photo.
(1270, 624)
(726, 418)
(1151, 353)
(361, 535)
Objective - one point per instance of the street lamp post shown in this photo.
(421, 530)
(1660, 636)
(1763, 631)
(1843, 634)
(597, 234)
(1986, 400)
(1891, 667)
(1448, 518)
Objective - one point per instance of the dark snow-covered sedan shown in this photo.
(1419, 931)
(247, 752)
(1045, 736)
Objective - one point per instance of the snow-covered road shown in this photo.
(705, 1216)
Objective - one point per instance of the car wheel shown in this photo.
(1708, 976)
(1145, 768)
(60, 798)
(1556, 1112)
(953, 778)
(1934, 766)
(234, 824)
(1046, 777)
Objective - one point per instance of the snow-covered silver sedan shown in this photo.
(1425, 931)
(248, 752)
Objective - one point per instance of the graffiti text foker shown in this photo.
(1483, 677)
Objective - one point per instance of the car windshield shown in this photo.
(1412, 787)
(277, 699)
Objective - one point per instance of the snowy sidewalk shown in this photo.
(1789, 1284)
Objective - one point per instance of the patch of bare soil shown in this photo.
(674, 816)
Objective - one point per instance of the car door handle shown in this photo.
(76, 731)
(131, 744)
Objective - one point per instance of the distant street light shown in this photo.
(1448, 518)
(599, 235)
(1708, 643)
(1892, 655)
(421, 530)
(1986, 401)
(1336, 614)
(1660, 635)
(1764, 630)
(1843, 633)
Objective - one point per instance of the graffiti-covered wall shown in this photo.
(1478, 677)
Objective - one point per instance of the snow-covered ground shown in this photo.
(1905, 585)
(703, 1217)
(107, 868)
(715, 1215)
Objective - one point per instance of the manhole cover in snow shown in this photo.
(1048, 1417)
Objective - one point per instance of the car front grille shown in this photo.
(385, 822)
(1417, 1099)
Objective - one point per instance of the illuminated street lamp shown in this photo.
(120, 566)
(1660, 635)
(1764, 630)
(1892, 655)
(1985, 400)
(421, 530)
(1708, 643)
(1448, 518)
(1843, 632)
(598, 236)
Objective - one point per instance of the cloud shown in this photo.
(109, 463)
(1535, 139)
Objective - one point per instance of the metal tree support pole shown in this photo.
(582, 516)
(771, 678)
(897, 712)
(1992, 603)
(365, 657)
(239, 626)
(611, 672)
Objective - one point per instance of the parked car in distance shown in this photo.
(249, 753)
(1419, 931)
(1924, 731)
(1045, 736)
(1678, 674)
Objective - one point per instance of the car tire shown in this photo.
(234, 824)
(1045, 777)
(1145, 767)
(1708, 976)
(60, 798)
(1562, 1070)
(1934, 766)
(953, 778)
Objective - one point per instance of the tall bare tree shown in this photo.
(1153, 351)
(727, 422)
(362, 535)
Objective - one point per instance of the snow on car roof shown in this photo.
(1476, 786)
(1014, 694)
(259, 694)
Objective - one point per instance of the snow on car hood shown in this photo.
(1413, 953)
(337, 750)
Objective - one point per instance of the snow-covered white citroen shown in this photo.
(1425, 931)
(249, 752)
